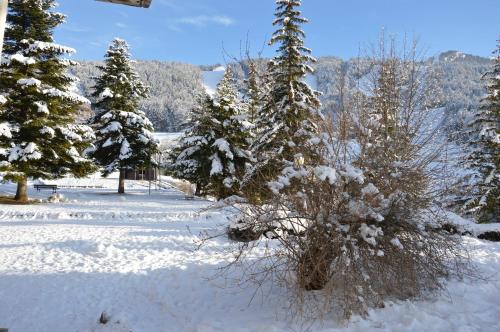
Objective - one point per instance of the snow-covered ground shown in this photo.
(134, 257)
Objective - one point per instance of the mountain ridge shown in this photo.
(175, 86)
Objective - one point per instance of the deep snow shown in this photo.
(134, 257)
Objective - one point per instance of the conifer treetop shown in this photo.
(119, 86)
(31, 20)
(292, 63)
(291, 104)
(287, 131)
(226, 89)
(290, 37)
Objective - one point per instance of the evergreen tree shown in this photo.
(485, 146)
(253, 92)
(384, 141)
(124, 134)
(214, 152)
(231, 140)
(286, 124)
(38, 134)
(191, 157)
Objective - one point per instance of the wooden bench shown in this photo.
(39, 187)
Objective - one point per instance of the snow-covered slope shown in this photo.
(135, 257)
(168, 140)
(312, 81)
(212, 78)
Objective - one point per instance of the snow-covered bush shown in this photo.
(56, 198)
(350, 237)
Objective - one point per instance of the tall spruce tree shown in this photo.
(485, 147)
(124, 138)
(214, 152)
(38, 134)
(286, 124)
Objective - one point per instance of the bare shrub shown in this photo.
(186, 187)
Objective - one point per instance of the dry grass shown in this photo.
(9, 200)
(184, 186)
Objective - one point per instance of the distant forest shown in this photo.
(175, 86)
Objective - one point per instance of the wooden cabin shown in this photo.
(145, 174)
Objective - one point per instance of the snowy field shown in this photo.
(134, 257)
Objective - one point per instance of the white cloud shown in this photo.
(204, 20)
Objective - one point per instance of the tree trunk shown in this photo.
(22, 190)
(121, 184)
(314, 265)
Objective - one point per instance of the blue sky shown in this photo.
(210, 31)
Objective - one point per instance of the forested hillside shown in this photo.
(174, 86)
(173, 89)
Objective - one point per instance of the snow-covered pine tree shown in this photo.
(286, 124)
(191, 157)
(231, 132)
(213, 154)
(38, 134)
(485, 146)
(124, 138)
